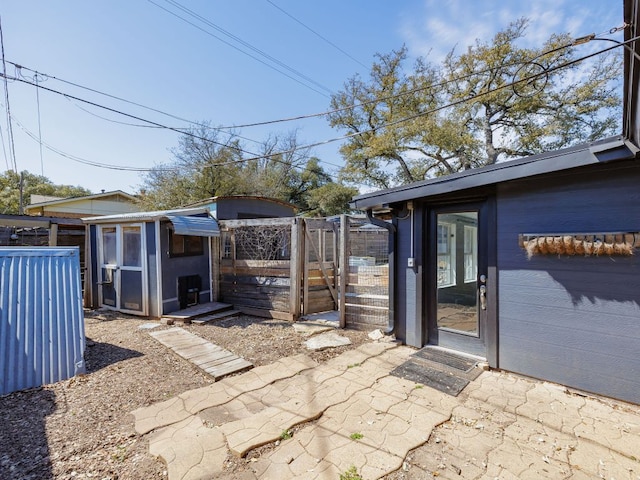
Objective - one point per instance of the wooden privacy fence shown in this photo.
(288, 267)
(278, 267)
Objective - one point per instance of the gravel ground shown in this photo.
(82, 427)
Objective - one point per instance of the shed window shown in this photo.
(184, 245)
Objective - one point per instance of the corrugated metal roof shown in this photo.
(145, 216)
(41, 317)
(196, 226)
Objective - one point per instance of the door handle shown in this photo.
(483, 297)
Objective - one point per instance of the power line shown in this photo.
(317, 34)
(286, 119)
(274, 156)
(12, 145)
(254, 156)
(246, 44)
(39, 127)
(239, 40)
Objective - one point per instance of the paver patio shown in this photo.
(502, 426)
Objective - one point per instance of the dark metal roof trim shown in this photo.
(614, 148)
(194, 226)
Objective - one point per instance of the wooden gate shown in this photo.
(278, 267)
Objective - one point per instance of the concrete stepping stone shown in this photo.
(354, 433)
(193, 401)
(190, 449)
(326, 340)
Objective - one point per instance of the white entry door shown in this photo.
(122, 282)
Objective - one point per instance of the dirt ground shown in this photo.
(82, 427)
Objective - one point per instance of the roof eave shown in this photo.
(614, 148)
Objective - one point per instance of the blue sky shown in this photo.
(135, 50)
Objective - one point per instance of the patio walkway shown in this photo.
(501, 426)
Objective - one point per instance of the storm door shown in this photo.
(122, 279)
(457, 301)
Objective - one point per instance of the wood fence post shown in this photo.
(297, 261)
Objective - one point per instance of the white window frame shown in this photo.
(471, 268)
(448, 257)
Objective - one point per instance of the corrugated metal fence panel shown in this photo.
(41, 317)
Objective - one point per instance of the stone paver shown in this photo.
(501, 426)
(191, 450)
(193, 401)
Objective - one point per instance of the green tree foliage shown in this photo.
(208, 164)
(32, 185)
(465, 113)
(330, 199)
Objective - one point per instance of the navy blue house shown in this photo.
(531, 264)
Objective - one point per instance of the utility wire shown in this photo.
(12, 145)
(39, 126)
(204, 20)
(274, 156)
(317, 34)
(208, 22)
(298, 117)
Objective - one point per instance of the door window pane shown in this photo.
(131, 246)
(457, 249)
(109, 252)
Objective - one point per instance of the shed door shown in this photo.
(457, 310)
(122, 284)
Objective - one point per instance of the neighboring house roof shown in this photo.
(209, 200)
(95, 196)
(105, 202)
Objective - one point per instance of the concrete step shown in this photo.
(215, 316)
(187, 315)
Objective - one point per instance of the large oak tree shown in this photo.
(494, 101)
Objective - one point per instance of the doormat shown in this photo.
(430, 377)
(449, 359)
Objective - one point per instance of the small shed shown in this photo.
(532, 264)
(150, 263)
(41, 317)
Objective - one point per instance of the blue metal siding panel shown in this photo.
(41, 317)
(409, 322)
(572, 320)
(174, 267)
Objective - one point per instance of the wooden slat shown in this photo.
(254, 222)
(265, 313)
(257, 264)
(255, 272)
(200, 309)
(207, 356)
